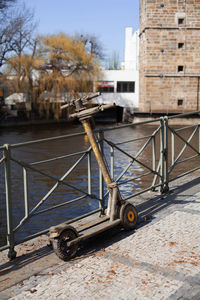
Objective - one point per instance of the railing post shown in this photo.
(101, 179)
(164, 155)
(112, 162)
(10, 233)
(199, 136)
(173, 147)
(89, 174)
(26, 205)
(166, 151)
(154, 153)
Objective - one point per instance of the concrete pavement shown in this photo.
(159, 260)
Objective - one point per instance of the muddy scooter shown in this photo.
(65, 238)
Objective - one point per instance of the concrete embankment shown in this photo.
(173, 122)
(159, 260)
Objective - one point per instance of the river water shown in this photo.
(39, 185)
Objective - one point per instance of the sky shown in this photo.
(106, 19)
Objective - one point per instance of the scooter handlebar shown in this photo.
(91, 111)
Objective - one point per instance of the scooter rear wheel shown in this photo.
(60, 244)
(128, 216)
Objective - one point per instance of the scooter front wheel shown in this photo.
(60, 247)
(128, 216)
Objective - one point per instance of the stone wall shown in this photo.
(169, 55)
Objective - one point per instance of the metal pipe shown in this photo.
(172, 148)
(134, 140)
(59, 205)
(186, 159)
(101, 179)
(133, 178)
(89, 174)
(26, 204)
(184, 174)
(112, 162)
(62, 137)
(199, 136)
(154, 153)
(58, 157)
(166, 146)
(10, 233)
(142, 192)
(100, 161)
(96, 151)
(162, 153)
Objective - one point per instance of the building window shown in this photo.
(180, 68)
(125, 87)
(180, 45)
(180, 21)
(106, 86)
(180, 102)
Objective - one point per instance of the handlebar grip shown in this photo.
(106, 106)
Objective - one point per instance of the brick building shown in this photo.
(169, 56)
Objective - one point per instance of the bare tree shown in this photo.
(16, 31)
(92, 44)
(113, 62)
(4, 4)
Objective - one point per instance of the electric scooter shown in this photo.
(65, 238)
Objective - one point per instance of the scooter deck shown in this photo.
(90, 230)
(85, 229)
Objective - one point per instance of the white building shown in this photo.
(121, 86)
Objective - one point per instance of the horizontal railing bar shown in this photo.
(133, 178)
(141, 138)
(84, 216)
(32, 236)
(127, 125)
(183, 174)
(143, 191)
(184, 115)
(186, 127)
(5, 247)
(134, 140)
(59, 205)
(62, 137)
(59, 157)
(186, 159)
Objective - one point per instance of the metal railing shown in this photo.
(157, 158)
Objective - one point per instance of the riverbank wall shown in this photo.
(184, 120)
(130, 119)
